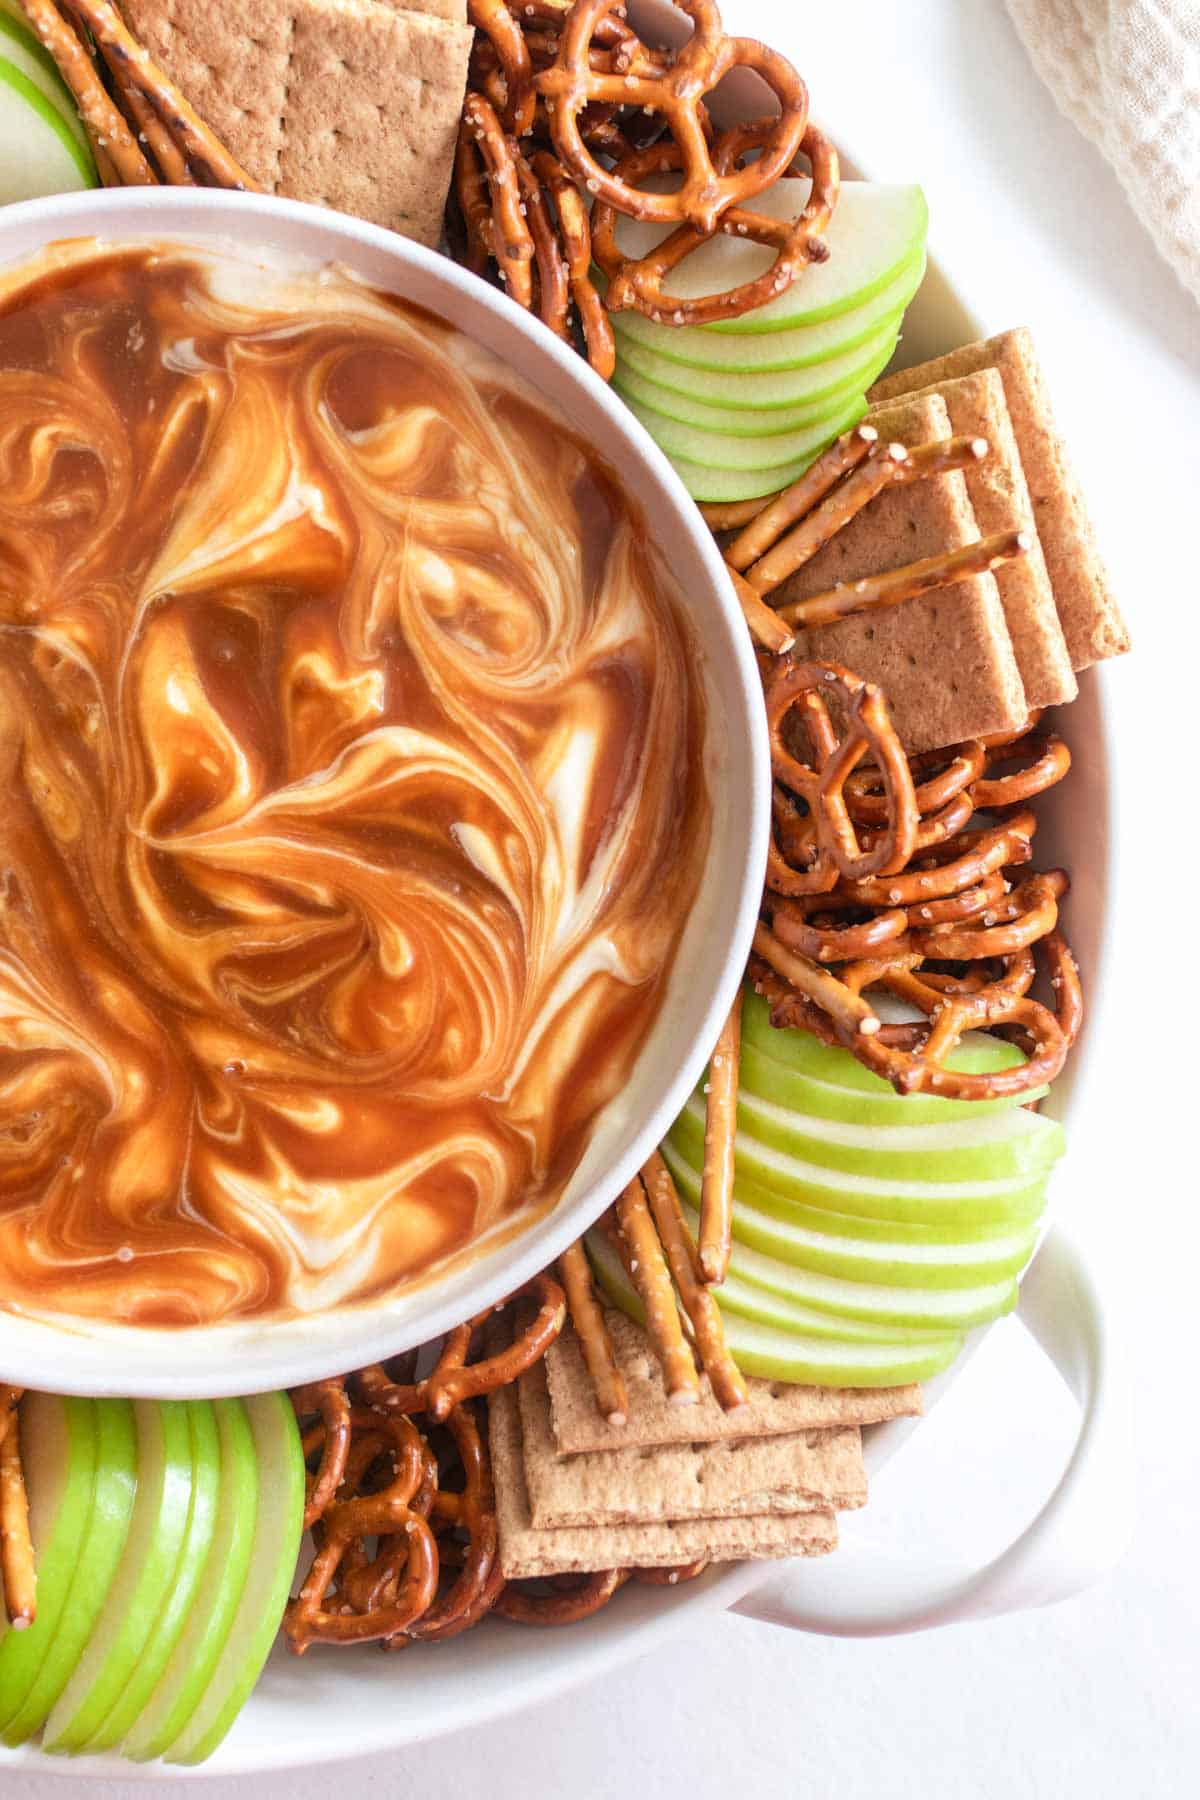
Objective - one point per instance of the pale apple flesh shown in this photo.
(59, 1447)
(210, 1623)
(100, 1549)
(278, 1526)
(142, 1585)
(181, 1594)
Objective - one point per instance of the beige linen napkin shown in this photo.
(1127, 72)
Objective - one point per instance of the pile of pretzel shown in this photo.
(570, 122)
(18, 1579)
(141, 129)
(400, 1503)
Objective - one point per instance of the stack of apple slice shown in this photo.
(166, 1536)
(743, 406)
(870, 1230)
(43, 146)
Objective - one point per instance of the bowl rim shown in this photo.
(101, 1359)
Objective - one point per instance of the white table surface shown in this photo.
(1097, 1697)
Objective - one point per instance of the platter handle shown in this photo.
(1080, 1534)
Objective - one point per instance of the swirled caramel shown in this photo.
(352, 751)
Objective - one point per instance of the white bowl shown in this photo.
(86, 1357)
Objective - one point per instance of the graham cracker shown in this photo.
(352, 104)
(806, 1471)
(999, 497)
(773, 1407)
(580, 1549)
(1089, 614)
(945, 660)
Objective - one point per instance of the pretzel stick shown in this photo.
(115, 147)
(845, 1008)
(765, 626)
(914, 579)
(9, 1400)
(778, 514)
(728, 1384)
(720, 1129)
(643, 1257)
(17, 1568)
(835, 512)
(594, 1341)
(942, 458)
(134, 72)
(150, 130)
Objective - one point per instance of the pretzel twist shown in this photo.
(676, 91)
(489, 196)
(454, 1377)
(640, 282)
(797, 691)
(400, 1582)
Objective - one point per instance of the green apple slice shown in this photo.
(785, 1355)
(719, 487)
(743, 420)
(19, 47)
(778, 394)
(722, 450)
(58, 1441)
(815, 1239)
(786, 1086)
(875, 231)
(1016, 1146)
(976, 1053)
(100, 1549)
(39, 152)
(142, 1586)
(775, 351)
(180, 1599)
(278, 1526)
(210, 1623)
(790, 1181)
(826, 1222)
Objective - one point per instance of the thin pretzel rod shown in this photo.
(942, 458)
(765, 626)
(18, 1573)
(728, 1383)
(781, 513)
(592, 1332)
(834, 513)
(203, 152)
(878, 591)
(115, 147)
(649, 1273)
(720, 1129)
(9, 1401)
(150, 130)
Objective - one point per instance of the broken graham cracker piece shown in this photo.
(944, 660)
(1000, 499)
(805, 1471)
(772, 1408)
(353, 104)
(526, 1552)
(1090, 618)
